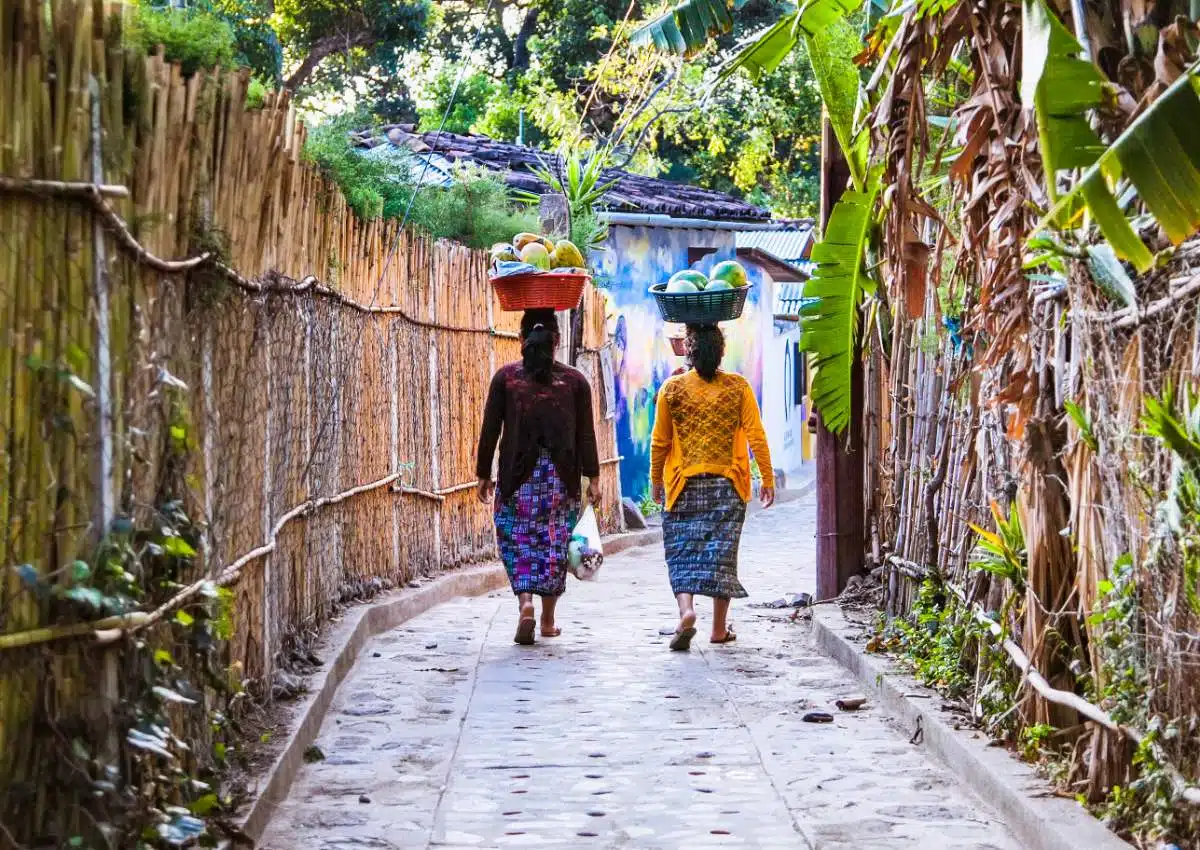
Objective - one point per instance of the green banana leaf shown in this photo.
(1159, 154)
(832, 43)
(1061, 88)
(687, 28)
(829, 314)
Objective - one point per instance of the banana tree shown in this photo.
(829, 322)
(1157, 156)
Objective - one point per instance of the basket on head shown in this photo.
(700, 308)
(540, 290)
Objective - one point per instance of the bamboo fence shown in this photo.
(943, 446)
(326, 375)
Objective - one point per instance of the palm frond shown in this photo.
(685, 29)
(829, 314)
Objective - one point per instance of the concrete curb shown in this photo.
(345, 640)
(1008, 785)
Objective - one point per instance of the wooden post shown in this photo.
(556, 224)
(839, 457)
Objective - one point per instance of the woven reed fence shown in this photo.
(208, 341)
(1107, 609)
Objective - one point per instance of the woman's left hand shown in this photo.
(767, 496)
(593, 492)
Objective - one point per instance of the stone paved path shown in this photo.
(448, 735)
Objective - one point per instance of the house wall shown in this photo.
(784, 414)
(632, 260)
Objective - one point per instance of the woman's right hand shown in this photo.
(485, 490)
(659, 494)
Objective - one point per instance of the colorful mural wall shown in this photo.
(635, 258)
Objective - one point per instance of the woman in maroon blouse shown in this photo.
(540, 411)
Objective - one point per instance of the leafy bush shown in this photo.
(209, 34)
(476, 210)
(193, 37)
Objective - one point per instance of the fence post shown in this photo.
(105, 503)
(435, 404)
(556, 224)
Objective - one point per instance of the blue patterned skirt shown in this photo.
(701, 534)
(533, 529)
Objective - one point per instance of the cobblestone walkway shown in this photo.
(448, 735)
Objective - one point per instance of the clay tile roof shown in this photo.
(630, 193)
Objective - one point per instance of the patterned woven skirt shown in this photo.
(701, 534)
(533, 529)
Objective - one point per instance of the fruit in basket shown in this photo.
(566, 256)
(535, 254)
(523, 239)
(716, 285)
(681, 287)
(502, 251)
(731, 272)
(687, 278)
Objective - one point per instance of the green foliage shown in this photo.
(339, 44)
(194, 37)
(685, 29)
(1158, 154)
(648, 506)
(1002, 553)
(579, 179)
(476, 210)
(1034, 739)
(1179, 512)
(830, 320)
(933, 641)
(476, 92)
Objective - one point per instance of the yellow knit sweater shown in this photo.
(705, 427)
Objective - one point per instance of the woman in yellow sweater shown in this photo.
(705, 423)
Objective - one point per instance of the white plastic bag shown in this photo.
(585, 554)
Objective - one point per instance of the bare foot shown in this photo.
(550, 630)
(525, 625)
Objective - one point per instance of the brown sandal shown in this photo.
(682, 641)
(525, 630)
(729, 637)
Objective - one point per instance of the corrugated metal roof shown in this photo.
(430, 169)
(788, 244)
(788, 299)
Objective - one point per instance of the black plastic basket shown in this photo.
(700, 308)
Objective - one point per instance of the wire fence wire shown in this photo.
(320, 442)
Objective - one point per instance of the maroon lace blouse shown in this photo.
(527, 417)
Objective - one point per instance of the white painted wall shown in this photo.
(783, 413)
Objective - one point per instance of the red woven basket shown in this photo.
(540, 291)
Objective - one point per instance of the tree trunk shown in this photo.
(520, 54)
(321, 50)
(839, 458)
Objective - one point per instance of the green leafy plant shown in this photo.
(1002, 552)
(579, 178)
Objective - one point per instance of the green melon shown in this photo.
(731, 272)
(695, 278)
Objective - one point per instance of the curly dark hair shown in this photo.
(705, 349)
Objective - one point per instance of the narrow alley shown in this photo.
(447, 734)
